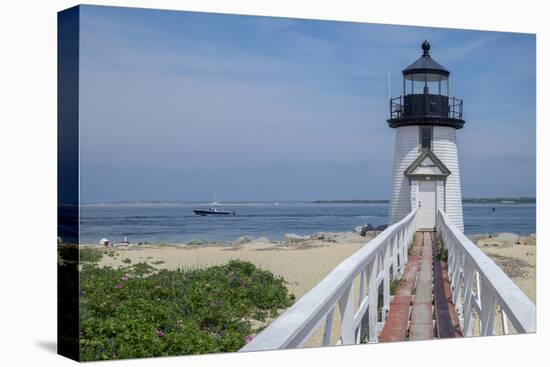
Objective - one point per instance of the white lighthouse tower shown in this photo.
(426, 172)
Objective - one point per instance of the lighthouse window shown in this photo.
(426, 137)
(419, 80)
(444, 87)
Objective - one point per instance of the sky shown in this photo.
(184, 106)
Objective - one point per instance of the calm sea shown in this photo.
(178, 224)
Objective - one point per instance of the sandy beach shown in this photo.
(305, 262)
(302, 263)
(516, 256)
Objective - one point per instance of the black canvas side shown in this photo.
(67, 183)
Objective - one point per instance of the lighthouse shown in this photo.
(426, 173)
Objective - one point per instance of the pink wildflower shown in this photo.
(159, 332)
(125, 278)
(118, 286)
(248, 339)
(157, 286)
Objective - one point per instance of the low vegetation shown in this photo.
(139, 311)
(90, 255)
(444, 255)
(394, 284)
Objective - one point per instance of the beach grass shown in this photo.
(90, 255)
(139, 311)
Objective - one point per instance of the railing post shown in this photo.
(386, 282)
(408, 236)
(328, 328)
(372, 270)
(394, 257)
(450, 256)
(453, 255)
(361, 297)
(361, 287)
(404, 250)
(455, 264)
(487, 309)
(468, 283)
(478, 295)
(347, 314)
(456, 281)
(504, 319)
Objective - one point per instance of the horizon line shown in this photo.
(145, 201)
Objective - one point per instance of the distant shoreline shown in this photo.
(503, 200)
(497, 200)
(353, 201)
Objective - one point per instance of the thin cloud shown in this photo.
(455, 52)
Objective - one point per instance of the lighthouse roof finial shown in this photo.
(426, 47)
(425, 63)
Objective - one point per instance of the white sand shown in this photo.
(302, 265)
(518, 261)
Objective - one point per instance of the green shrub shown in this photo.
(137, 311)
(394, 284)
(444, 255)
(411, 245)
(90, 255)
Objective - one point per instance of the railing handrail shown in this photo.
(296, 323)
(518, 307)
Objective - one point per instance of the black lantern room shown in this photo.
(425, 99)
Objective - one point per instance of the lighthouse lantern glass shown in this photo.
(435, 84)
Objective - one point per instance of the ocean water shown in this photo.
(178, 224)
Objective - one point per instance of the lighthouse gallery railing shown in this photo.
(361, 318)
(479, 285)
(426, 105)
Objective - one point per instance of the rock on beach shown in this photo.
(369, 229)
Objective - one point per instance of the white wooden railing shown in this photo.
(375, 265)
(479, 285)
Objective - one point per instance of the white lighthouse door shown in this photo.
(426, 204)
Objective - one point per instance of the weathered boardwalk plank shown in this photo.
(421, 326)
(413, 316)
(446, 317)
(397, 323)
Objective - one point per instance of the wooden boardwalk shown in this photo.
(422, 308)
